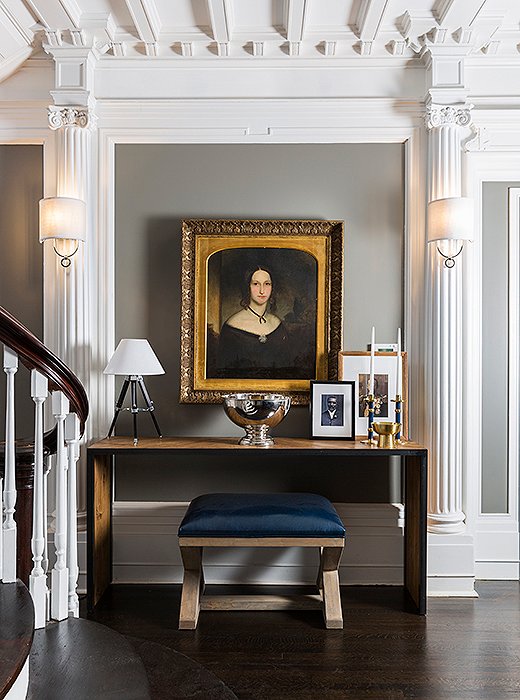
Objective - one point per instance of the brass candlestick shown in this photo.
(369, 400)
(398, 411)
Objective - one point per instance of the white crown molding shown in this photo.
(24, 121)
(274, 120)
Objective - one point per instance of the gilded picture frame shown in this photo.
(305, 260)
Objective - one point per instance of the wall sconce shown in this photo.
(64, 219)
(450, 219)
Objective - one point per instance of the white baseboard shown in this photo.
(145, 549)
(451, 566)
(497, 570)
(497, 548)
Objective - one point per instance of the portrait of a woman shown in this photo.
(262, 338)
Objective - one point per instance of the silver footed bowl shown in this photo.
(256, 413)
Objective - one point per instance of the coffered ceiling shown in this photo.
(288, 30)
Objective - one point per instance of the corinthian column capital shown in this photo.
(60, 117)
(448, 115)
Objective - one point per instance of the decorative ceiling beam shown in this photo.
(455, 14)
(369, 18)
(17, 22)
(145, 18)
(220, 17)
(295, 19)
(64, 14)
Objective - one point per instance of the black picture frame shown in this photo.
(332, 410)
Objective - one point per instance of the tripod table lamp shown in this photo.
(134, 358)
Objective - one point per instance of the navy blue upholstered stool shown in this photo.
(261, 520)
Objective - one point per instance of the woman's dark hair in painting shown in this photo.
(245, 287)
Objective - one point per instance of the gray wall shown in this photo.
(159, 185)
(495, 346)
(21, 260)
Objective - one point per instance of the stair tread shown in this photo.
(16, 631)
(84, 660)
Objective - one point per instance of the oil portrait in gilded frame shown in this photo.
(261, 307)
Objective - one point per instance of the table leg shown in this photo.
(99, 527)
(415, 545)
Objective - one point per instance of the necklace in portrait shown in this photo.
(261, 319)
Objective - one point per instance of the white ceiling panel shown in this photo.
(333, 13)
(260, 15)
(182, 15)
(508, 9)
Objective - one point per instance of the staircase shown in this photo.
(46, 651)
(16, 635)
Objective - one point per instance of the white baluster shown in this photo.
(72, 441)
(9, 525)
(45, 560)
(46, 471)
(38, 579)
(60, 573)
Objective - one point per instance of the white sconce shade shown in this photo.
(63, 217)
(450, 219)
(134, 357)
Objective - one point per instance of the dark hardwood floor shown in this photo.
(465, 649)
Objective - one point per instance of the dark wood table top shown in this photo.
(121, 444)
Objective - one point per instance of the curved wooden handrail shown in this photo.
(33, 354)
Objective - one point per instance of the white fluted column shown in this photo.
(69, 331)
(445, 497)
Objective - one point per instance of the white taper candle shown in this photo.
(372, 350)
(399, 379)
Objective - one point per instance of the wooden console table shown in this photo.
(100, 461)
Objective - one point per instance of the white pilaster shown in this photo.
(451, 559)
(67, 290)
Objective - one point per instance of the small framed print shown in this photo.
(332, 410)
(355, 366)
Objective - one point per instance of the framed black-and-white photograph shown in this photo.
(332, 410)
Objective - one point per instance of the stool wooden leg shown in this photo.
(191, 587)
(330, 557)
(319, 578)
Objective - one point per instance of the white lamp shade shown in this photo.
(450, 219)
(134, 357)
(63, 217)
